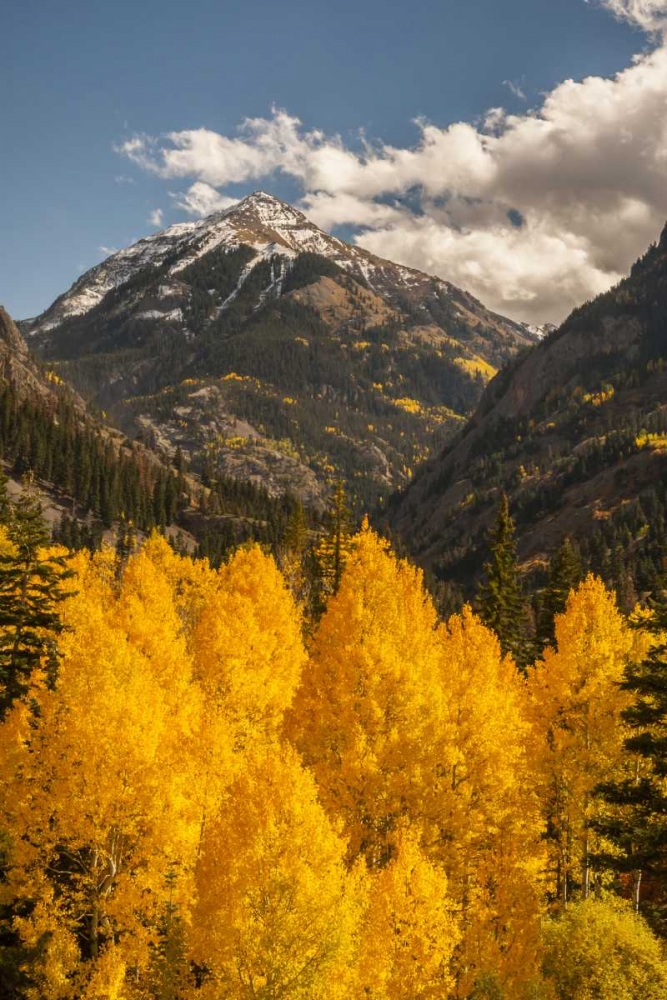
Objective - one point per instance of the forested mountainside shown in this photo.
(267, 351)
(575, 433)
(94, 480)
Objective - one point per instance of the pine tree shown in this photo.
(565, 573)
(501, 597)
(5, 503)
(637, 825)
(30, 592)
(334, 548)
(126, 541)
(293, 551)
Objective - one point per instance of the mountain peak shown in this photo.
(261, 202)
(263, 197)
(268, 227)
(262, 218)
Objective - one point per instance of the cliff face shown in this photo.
(16, 366)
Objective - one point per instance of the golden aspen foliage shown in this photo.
(93, 787)
(367, 714)
(277, 913)
(598, 949)
(149, 616)
(248, 654)
(484, 818)
(161, 839)
(192, 581)
(409, 931)
(576, 704)
(248, 646)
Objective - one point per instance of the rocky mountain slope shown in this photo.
(46, 429)
(95, 483)
(270, 351)
(576, 433)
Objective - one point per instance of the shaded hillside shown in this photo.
(95, 482)
(576, 434)
(271, 352)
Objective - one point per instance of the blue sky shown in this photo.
(79, 79)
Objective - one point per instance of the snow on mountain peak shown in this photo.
(261, 221)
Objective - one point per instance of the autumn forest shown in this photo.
(211, 788)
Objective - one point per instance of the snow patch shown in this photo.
(269, 226)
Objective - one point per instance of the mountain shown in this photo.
(269, 351)
(575, 432)
(97, 483)
(16, 366)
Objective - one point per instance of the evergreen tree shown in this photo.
(637, 824)
(501, 597)
(30, 592)
(334, 547)
(126, 541)
(292, 552)
(565, 573)
(5, 503)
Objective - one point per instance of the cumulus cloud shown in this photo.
(532, 212)
(156, 217)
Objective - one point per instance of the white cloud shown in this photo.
(649, 15)
(202, 199)
(516, 88)
(107, 251)
(532, 212)
(156, 218)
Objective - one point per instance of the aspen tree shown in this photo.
(367, 714)
(192, 582)
(93, 787)
(248, 647)
(598, 948)
(484, 819)
(575, 704)
(409, 931)
(277, 912)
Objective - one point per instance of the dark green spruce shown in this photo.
(565, 573)
(501, 599)
(637, 821)
(30, 594)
